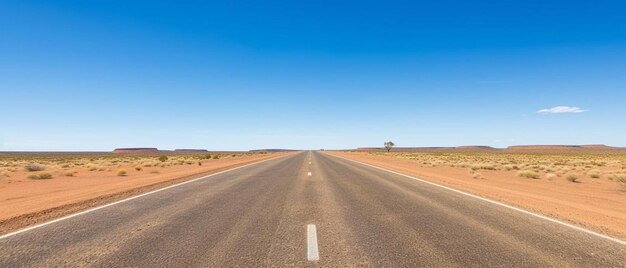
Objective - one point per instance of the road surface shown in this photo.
(307, 209)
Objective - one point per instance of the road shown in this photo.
(287, 212)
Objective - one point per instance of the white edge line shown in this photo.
(311, 240)
(128, 199)
(613, 239)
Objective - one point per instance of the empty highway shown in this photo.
(307, 209)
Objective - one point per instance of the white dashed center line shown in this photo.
(311, 240)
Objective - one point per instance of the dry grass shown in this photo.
(66, 164)
(572, 178)
(41, 176)
(583, 166)
(595, 174)
(550, 176)
(30, 167)
(528, 174)
(618, 177)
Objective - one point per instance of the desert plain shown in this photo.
(35, 187)
(316, 207)
(585, 187)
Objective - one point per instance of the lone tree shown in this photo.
(389, 145)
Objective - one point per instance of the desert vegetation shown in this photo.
(572, 167)
(586, 188)
(389, 145)
(33, 167)
(55, 165)
(528, 174)
(40, 176)
(42, 185)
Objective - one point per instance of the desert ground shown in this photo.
(35, 187)
(313, 209)
(584, 188)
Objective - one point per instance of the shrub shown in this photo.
(138, 168)
(69, 174)
(550, 176)
(199, 163)
(528, 174)
(163, 158)
(618, 177)
(121, 173)
(483, 166)
(216, 157)
(208, 156)
(511, 167)
(42, 176)
(572, 178)
(45, 176)
(34, 167)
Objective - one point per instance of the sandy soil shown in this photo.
(594, 203)
(24, 201)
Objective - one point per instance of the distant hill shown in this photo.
(510, 149)
(471, 148)
(560, 148)
(155, 150)
(191, 151)
(135, 150)
(271, 150)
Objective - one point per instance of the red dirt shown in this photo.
(596, 204)
(25, 201)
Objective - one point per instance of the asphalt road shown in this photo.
(276, 213)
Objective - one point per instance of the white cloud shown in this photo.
(562, 109)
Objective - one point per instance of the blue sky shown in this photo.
(96, 75)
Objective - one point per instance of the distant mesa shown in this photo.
(155, 150)
(591, 147)
(433, 149)
(471, 147)
(135, 150)
(191, 151)
(599, 146)
(270, 150)
(515, 148)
